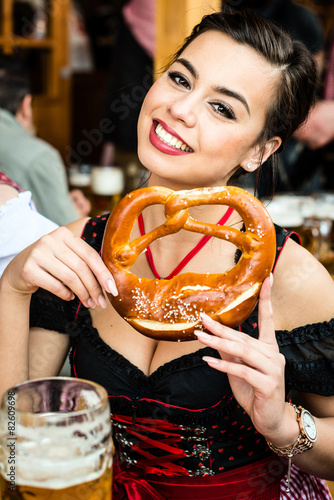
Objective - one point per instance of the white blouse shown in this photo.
(20, 226)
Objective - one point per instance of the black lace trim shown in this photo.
(309, 354)
(316, 376)
(312, 332)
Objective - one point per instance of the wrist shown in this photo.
(8, 290)
(289, 430)
(304, 442)
(307, 434)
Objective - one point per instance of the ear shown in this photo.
(260, 153)
(24, 113)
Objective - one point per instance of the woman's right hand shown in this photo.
(62, 263)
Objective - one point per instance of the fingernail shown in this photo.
(271, 278)
(211, 361)
(102, 301)
(202, 335)
(112, 287)
(90, 303)
(207, 318)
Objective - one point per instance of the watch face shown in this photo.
(309, 426)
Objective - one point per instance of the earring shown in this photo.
(249, 165)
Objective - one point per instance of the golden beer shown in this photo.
(55, 441)
(107, 185)
(98, 489)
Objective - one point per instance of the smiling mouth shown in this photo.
(171, 140)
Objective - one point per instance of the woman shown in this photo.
(193, 419)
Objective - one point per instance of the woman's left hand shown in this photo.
(255, 369)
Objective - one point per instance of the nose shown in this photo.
(184, 109)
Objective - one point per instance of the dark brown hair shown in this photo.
(298, 70)
(14, 83)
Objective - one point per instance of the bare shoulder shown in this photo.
(303, 290)
(78, 225)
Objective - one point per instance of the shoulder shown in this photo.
(303, 290)
(29, 154)
(77, 227)
(43, 155)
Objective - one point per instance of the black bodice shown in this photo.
(186, 391)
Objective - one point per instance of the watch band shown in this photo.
(303, 443)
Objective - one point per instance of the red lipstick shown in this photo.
(162, 146)
(170, 130)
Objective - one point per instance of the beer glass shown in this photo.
(55, 441)
(107, 185)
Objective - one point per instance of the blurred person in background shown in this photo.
(318, 132)
(31, 162)
(298, 20)
(303, 25)
(131, 75)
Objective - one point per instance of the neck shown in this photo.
(156, 180)
(25, 123)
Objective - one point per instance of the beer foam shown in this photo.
(56, 475)
(59, 456)
(86, 399)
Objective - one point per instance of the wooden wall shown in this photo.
(175, 19)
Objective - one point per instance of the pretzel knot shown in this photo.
(170, 309)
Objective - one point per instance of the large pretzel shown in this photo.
(170, 309)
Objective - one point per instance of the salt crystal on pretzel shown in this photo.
(170, 309)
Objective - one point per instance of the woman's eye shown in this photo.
(178, 79)
(223, 109)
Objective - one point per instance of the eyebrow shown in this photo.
(219, 90)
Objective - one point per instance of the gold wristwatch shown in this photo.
(307, 436)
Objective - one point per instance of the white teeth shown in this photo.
(170, 139)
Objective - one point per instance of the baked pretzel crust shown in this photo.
(170, 309)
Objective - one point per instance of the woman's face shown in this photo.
(200, 120)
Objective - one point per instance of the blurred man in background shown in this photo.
(32, 163)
